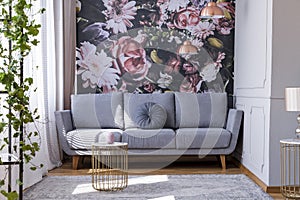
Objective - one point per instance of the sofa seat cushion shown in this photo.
(149, 138)
(204, 138)
(200, 110)
(98, 110)
(84, 138)
(133, 101)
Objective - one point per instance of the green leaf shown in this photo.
(35, 42)
(33, 168)
(15, 147)
(2, 126)
(19, 182)
(27, 158)
(4, 193)
(43, 10)
(2, 147)
(2, 182)
(26, 147)
(12, 195)
(29, 80)
(16, 134)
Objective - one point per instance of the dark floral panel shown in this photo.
(141, 46)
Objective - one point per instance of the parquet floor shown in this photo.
(185, 165)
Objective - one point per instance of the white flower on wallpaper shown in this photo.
(209, 72)
(175, 39)
(83, 53)
(175, 5)
(119, 13)
(165, 80)
(197, 43)
(203, 29)
(95, 67)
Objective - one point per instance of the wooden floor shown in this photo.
(185, 165)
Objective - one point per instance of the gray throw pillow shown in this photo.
(150, 115)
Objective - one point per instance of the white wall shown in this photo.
(266, 52)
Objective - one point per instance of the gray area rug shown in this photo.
(155, 187)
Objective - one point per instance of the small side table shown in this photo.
(290, 168)
(110, 166)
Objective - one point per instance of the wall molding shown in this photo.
(262, 81)
(257, 123)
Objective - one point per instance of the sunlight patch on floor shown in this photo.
(87, 188)
(164, 198)
(84, 188)
(148, 179)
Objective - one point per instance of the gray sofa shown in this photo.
(172, 124)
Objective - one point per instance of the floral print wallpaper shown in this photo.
(134, 46)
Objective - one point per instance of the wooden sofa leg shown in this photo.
(75, 162)
(223, 161)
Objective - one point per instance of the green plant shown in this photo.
(18, 34)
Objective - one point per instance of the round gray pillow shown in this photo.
(150, 115)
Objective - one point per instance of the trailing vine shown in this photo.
(18, 34)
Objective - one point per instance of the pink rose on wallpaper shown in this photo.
(224, 25)
(189, 68)
(189, 83)
(186, 18)
(148, 86)
(131, 58)
(173, 65)
(228, 8)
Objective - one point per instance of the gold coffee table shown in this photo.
(290, 168)
(109, 166)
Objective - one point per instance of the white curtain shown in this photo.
(51, 92)
(49, 80)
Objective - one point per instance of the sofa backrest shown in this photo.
(201, 110)
(97, 110)
(133, 101)
(116, 110)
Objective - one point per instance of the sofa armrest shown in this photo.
(233, 125)
(234, 120)
(64, 124)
